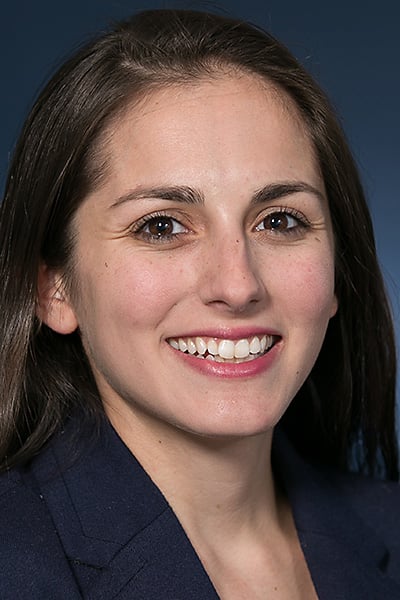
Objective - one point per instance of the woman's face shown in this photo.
(205, 263)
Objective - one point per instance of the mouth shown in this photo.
(225, 350)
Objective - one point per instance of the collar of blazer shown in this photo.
(348, 525)
(122, 537)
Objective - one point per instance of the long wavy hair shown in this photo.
(344, 413)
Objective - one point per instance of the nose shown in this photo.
(231, 277)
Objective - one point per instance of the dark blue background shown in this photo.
(351, 47)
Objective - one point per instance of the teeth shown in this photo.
(255, 345)
(212, 347)
(191, 346)
(264, 342)
(182, 345)
(242, 349)
(201, 346)
(224, 350)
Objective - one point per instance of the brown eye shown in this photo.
(279, 221)
(160, 226)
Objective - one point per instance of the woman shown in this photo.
(197, 346)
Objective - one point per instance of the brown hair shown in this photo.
(345, 410)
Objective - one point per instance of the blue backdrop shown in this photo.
(352, 48)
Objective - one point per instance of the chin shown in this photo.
(233, 428)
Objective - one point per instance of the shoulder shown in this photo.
(32, 562)
(371, 508)
(359, 511)
(19, 505)
(376, 501)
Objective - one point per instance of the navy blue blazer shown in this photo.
(84, 520)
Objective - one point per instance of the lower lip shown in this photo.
(230, 370)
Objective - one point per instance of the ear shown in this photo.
(53, 306)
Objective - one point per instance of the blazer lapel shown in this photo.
(120, 535)
(346, 558)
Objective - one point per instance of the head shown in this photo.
(61, 159)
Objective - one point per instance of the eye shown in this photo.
(281, 221)
(158, 227)
(163, 227)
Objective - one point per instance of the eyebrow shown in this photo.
(183, 194)
(188, 195)
(274, 191)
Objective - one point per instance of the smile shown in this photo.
(224, 350)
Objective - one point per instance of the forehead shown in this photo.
(223, 95)
(215, 124)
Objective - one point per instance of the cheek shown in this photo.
(136, 293)
(309, 287)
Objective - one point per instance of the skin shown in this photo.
(224, 270)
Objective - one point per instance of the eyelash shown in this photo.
(138, 229)
(302, 222)
(140, 225)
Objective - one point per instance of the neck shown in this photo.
(222, 486)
